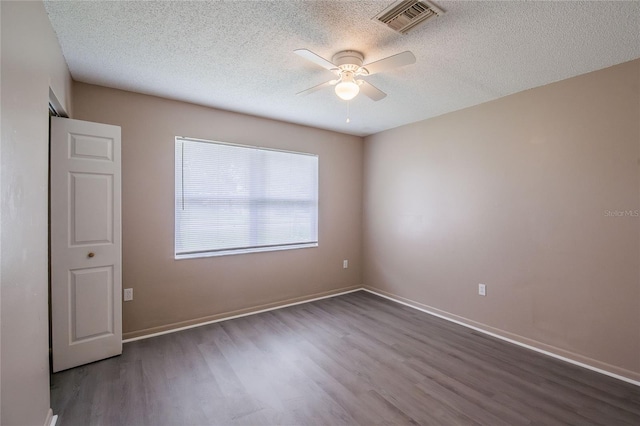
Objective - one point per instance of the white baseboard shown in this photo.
(50, 420)
(532, 345)
(245, 314)
(447, 316)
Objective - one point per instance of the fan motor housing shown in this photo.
(348, 60)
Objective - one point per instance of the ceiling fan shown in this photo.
(347, 66)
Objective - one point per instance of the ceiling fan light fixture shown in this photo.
(347, 65)
(347, 90)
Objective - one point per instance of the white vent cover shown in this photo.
(405, 15)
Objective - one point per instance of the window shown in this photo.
(240, 199)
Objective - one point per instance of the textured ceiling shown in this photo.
(238, 55)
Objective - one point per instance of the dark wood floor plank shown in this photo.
(356, 359)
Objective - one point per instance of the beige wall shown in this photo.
(31, 63)
(513, 193)
(177, 292)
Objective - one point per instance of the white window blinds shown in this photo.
(238, 199)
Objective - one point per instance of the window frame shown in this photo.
(250, 249)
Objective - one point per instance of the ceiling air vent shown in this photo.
(405, 15)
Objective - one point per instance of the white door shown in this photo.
(86, 255)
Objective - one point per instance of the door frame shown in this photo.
(56, 109)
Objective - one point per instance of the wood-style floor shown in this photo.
(352, 359)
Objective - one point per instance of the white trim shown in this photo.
(241, 145)
(50, 420)
(228, 252)
(57, 106)
(489, 333)
(173, 330)
(506, 339)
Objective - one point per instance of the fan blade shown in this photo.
(318, 60)
(371, 91)
(395, 61)
(318, 87)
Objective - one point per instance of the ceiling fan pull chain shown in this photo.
(348, 119)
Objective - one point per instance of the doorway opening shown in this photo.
(55, 110)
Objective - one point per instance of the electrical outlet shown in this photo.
(345, 264)
(482, 289)
(128, 294)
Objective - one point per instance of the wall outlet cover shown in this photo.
(128, 294)
(482, 289)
